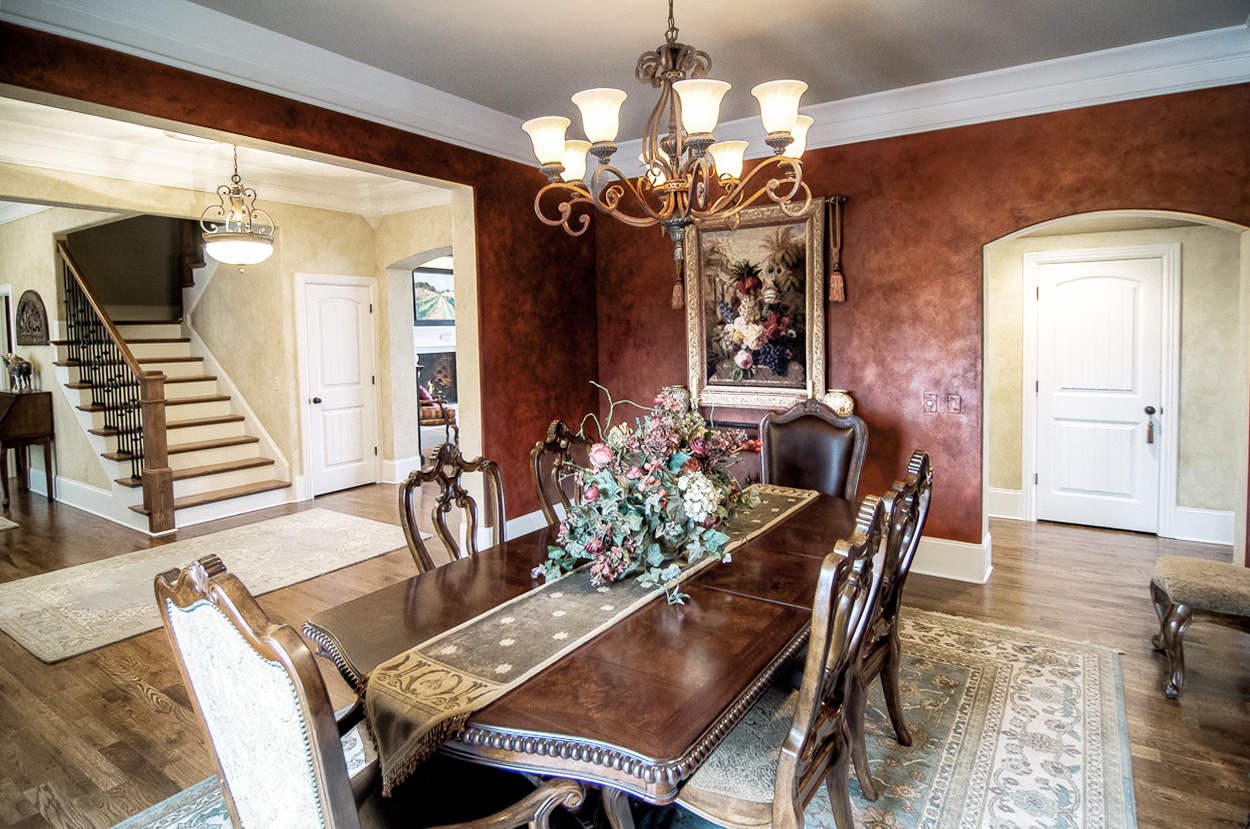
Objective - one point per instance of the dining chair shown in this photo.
(268, 722)
(811, 447)
(447, 468)
(906, 507)
(767, 770)
(553, 466)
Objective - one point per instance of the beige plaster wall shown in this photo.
(400, 236)
(29, 262)
(1210, 416)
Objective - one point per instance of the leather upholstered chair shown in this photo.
(769, 767)
(447, 468)
(553, 463)
(1185, 588)
(906, 507)
(274, 738)
(811, 447)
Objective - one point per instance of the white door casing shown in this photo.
(1105, 334)
(340, 383)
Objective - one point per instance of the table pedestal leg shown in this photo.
(616, 806)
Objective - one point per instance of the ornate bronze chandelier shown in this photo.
(236, 231)
(686, 176)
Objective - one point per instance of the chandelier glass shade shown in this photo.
(685, 176)
(236, 232)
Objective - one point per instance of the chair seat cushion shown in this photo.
(734, 785)
(1205, 585)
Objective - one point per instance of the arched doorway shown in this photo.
(1204, 497)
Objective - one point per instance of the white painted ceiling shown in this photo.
(525, 58)
(40, 136)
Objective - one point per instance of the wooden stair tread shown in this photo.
(203, 421)
(108, 433)
(208, 469)
(201, 445)
(148, 322)
(220, 495)
(196, 378)
(173, 401)
(139, 360)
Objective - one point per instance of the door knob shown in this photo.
(1150, 410)
(316, 400)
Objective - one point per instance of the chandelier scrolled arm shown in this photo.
(572, 196)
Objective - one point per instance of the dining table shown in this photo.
(638, 706)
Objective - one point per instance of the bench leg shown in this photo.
(1173, 620)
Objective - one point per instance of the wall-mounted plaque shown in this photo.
(32, 320)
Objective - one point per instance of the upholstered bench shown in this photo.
(1185, 588)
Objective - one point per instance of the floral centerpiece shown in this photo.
(653, 497)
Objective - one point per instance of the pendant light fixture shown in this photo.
(686, 176)
(236, 232)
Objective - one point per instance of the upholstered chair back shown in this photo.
(262, 701)
(553, 463)
(447, 469)
(811, 447)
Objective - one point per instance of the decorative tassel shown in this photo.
(679, 289)
(679, 294)
(837, 284)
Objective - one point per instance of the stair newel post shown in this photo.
(158, 478)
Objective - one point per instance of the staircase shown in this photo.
(213, 457)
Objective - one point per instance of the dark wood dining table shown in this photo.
(637, 708)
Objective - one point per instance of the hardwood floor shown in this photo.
(89, 741)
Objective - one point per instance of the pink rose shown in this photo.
(698, 446)
(743, 359)
(600, 454)
(591, 493)
(634, 473)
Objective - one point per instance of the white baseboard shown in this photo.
(99, 502)
(1004, 503)
(1211, 526)
(397, 471)
(955, 560)
(301, 485)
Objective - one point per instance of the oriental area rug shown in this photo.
(71, 611)
(1010, 728)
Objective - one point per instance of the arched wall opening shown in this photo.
(1212, 442)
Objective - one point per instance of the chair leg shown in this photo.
(837, 783)
(857, 707)
(1173, 621)
(890, 685)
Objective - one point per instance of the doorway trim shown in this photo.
(1169, 446)
(305, 491)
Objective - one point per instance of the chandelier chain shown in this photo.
(671, 34)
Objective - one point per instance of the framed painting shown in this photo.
(755, 310)
(433, 297)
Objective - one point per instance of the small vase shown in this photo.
(840, 401)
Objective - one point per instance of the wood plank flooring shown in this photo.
(94, 739)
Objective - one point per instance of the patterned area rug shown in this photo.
(1010, 728)
(67, 612)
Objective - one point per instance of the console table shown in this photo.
(25, 420)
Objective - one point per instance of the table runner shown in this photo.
(419, 699)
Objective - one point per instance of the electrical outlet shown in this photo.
(930, 402)
(953, 404)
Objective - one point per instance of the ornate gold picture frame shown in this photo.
(755, 308)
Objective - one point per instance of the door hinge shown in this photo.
(1035, 479)
(1038, 291)
(373, 378)
(1037, 386)
(375, 451)
(370, 307)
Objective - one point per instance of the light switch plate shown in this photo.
(953, 404)
(930, 402)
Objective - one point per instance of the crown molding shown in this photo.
(182, 34)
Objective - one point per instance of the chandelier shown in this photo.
(236, 232)
(686, 176)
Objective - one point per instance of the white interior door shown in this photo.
(1100, 363)
(343, 421)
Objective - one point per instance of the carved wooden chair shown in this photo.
(553, 465)
(447, 468)
(906, 507)
(770, 766)
(1185, 589)
(274, 738)
(811, 447)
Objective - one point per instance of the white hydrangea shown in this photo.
(752, 332)
(699, 495)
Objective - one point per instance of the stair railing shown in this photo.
(131, 400)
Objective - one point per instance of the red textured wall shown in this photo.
(538, 345)
(920, 209)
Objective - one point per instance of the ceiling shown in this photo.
(525, 58)
(40, 136)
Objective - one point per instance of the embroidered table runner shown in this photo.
(419, 699)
